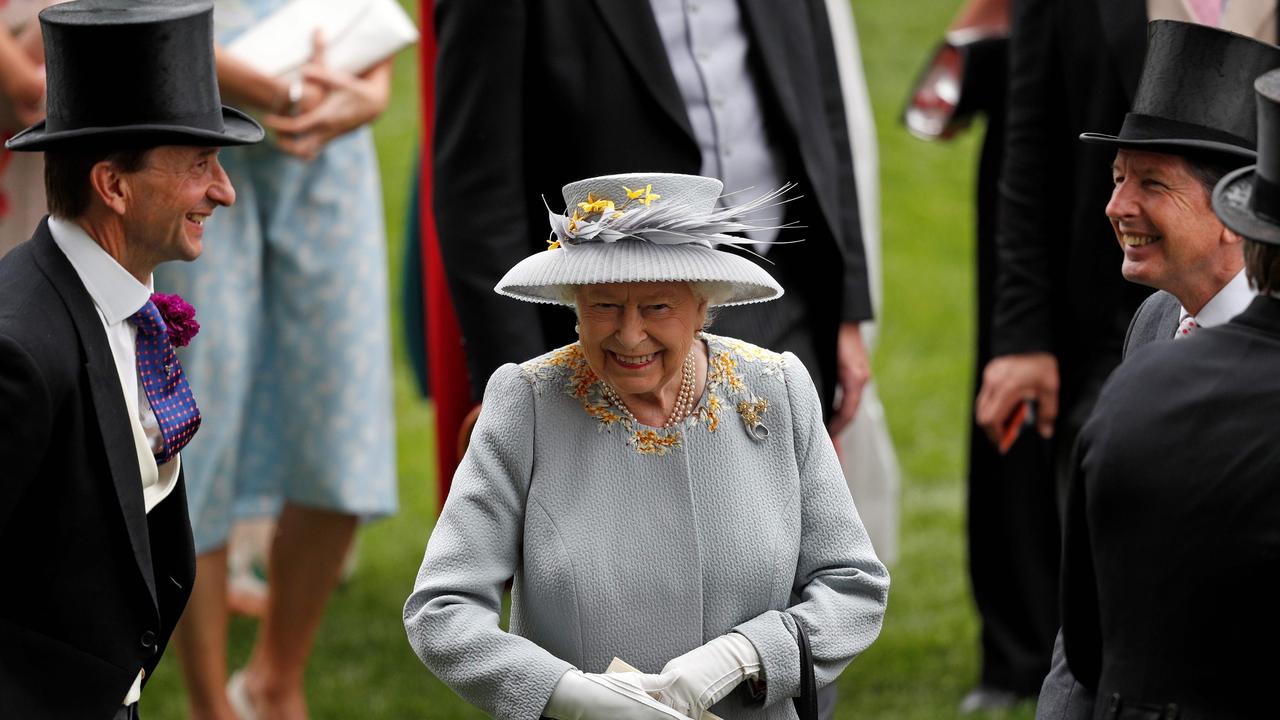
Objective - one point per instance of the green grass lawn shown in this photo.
(926, 658)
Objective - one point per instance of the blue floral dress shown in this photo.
(292, 367)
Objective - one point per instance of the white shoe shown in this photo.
(238, 696)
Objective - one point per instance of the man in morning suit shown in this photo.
(93, 404)
(1061, 307)
(531, 96)
(1179, 139)
(1172, 557)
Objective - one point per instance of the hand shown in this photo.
(852, 373)
(349, 103)
(1010, 379)
(702, 677)
(615, 696)
(21, 80)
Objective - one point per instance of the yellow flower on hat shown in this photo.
(552, 243)
(649, 196)
(645, 195)
(573, 221)
(596, 205)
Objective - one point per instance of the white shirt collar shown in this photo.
(1230, 301)
(116, 293)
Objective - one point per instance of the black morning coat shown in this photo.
(1172, 559)
(93, 584)
(530, 96)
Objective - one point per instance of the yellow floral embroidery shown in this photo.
(723, 379)
(650, 442)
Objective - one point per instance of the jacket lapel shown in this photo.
(1123, 21)
(108, 397)
(781, 38)
(636, 32)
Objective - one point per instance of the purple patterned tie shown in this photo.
(162, 379)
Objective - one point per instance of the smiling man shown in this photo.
(94, 408)
(1193, 121)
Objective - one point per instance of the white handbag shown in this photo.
(357, 34)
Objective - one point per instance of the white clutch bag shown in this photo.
(357, 34)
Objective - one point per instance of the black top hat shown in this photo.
(1194, 95)
(1248, 200)
(132, 72)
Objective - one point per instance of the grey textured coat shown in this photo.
(643, 543)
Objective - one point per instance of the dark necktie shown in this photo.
(162, 379)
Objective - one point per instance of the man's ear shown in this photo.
(1230, 237)
(110, 186)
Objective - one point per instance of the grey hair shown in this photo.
(713, 292)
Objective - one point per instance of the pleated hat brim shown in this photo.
(550, 276)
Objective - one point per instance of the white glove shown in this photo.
(616, 696)
(702, 677)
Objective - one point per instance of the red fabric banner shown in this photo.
(446, 362)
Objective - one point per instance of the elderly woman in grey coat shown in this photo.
(657, 495)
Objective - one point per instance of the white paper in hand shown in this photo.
(632, 692)
(619, 665)
(357, 34)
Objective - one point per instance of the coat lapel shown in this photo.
(777, 33)
(1123, 21)
(108, 397)
(636, 32)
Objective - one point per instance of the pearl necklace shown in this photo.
(684, 399)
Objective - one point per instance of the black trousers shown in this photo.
(1013, 529)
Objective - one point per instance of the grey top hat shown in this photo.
(1248, 200)
(644, 227)
(132, 72)
(1194, 95)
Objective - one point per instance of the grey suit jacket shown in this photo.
(1157, 319)
(644, 543)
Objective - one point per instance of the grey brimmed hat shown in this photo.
(1195, 94)
(645, 227)
(1248, 200)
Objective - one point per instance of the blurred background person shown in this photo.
(22, 201)
(1011, 523)
(296, 366)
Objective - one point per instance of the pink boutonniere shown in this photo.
(179, 318)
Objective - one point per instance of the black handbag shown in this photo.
(807, 703)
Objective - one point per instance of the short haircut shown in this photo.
(1209, 168)
(1262, 265)
(66, 175)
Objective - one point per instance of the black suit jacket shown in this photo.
(1172, 560)
(1073, 68)
(532, 95)
(95, 584)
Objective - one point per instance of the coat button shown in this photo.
(149, 640)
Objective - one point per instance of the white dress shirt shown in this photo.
(117, 295)
(708, 49)
(1230, 301)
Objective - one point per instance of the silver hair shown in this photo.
(712, 291)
